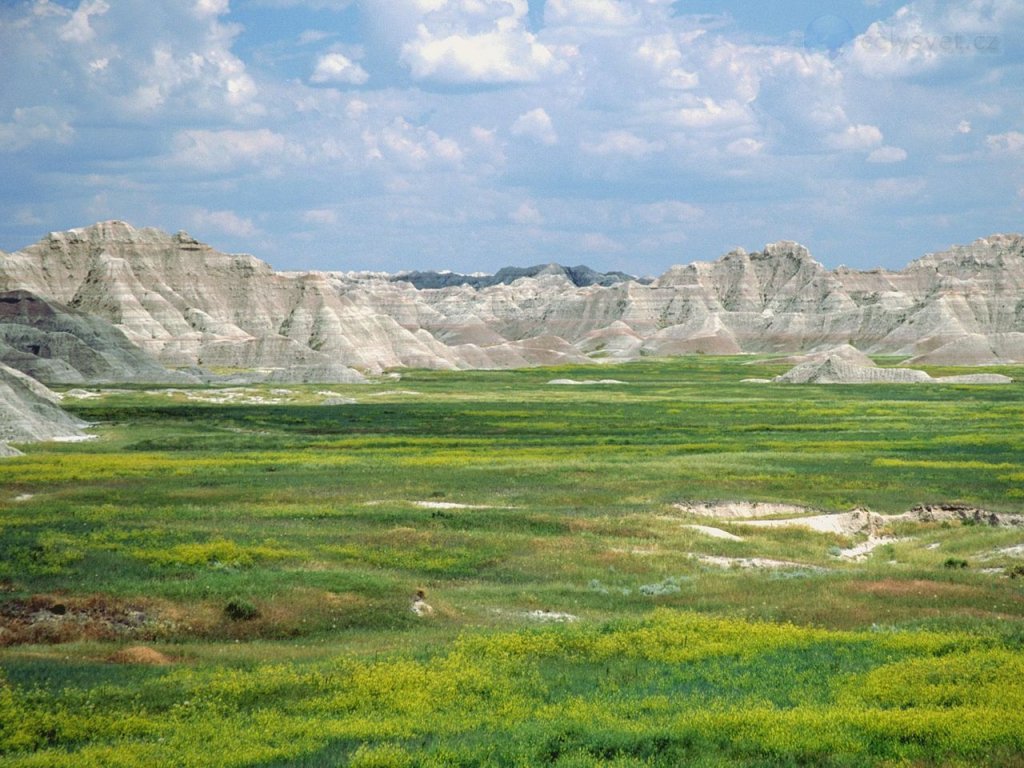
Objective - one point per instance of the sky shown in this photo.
(472, 134)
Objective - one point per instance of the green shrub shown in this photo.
(238, 609)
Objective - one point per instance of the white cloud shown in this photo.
(217, 151)
(661, 53)
(745, 147)
(1009, 143)
(887, 154)
(925, 35)
(78, 29)
(338, 68)
(707, 113)
(226, 222)
(316, 5)
(964, 127)
(535, 124)
(208, 8)
(504, 55)
(411, 147)
(481, 42)
(34, 125)
(622, 143)
(855, 137)
(215, 79)
(589, 13)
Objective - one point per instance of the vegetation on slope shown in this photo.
(267, 555)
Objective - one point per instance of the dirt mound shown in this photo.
(140, 654)
(975, 378)
(932, 513)
(836, 370)
(715, 533)
(845, 523)
(736, 510)
(50, 619)
(755, 562)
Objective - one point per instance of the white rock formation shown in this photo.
(29, 412)
(189, 305)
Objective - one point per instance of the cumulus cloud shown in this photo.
(132, 59)
(662, 54)
(745, 147)
(476, 109)
(217, 151)
(226, 222)
(410, 146)
(855, 137)
(78, 28)
(1009, 143)
(535, 124)
(336, 68)
(473, 42)
(926, 35)
(589, 13)
(501, 56)
(708, 113)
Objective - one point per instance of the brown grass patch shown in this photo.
(140, 654)
(59, 619)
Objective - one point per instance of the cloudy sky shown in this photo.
(470, 134)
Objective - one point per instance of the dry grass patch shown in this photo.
(142, 655)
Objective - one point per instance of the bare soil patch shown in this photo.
(737, 510)
(56, 619)
(142, 655)
(715, 533)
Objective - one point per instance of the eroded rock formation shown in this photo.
(187, 305)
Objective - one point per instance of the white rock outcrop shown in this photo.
(185, 304)
(29, 412)
(836, 370)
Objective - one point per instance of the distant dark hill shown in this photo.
(581, 276)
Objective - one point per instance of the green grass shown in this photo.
(184, 512)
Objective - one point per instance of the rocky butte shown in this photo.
(110, 302)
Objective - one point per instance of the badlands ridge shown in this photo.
(113, 303)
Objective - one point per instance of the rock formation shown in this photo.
(186, 305)
(29, 412)
(60, 345)
(833, 369)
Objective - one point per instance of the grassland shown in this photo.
(261, 549)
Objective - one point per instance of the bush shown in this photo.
(240, 610)
(955, 562)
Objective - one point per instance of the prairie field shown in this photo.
(226, 576)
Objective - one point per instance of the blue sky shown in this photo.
(471, 134)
